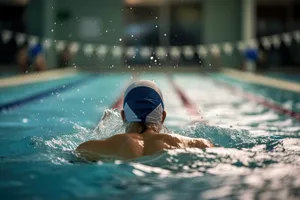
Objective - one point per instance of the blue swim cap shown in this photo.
(143, 102)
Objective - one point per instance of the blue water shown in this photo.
(257, 153)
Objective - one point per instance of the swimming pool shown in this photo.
(258, 155)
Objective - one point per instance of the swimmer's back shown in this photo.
(134, 145)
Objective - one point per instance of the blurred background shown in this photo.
(45, 34)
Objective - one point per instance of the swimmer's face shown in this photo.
(164, 115)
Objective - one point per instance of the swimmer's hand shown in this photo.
(200, 143)
(104, 119)
(106, 115)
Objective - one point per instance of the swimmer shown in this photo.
(31, 58)
(144, 114)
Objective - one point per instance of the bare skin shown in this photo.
(132, 145)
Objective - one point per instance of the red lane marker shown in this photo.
(191, 107)
(261, 101)
(118, 104)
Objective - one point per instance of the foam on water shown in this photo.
(244, 165)
(257, 153)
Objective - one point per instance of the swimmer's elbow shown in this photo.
(85, 151)
(86, 146)
(209, 144)
(81, 147)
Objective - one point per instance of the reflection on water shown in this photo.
(245, 165)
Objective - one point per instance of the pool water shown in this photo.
(257, 154)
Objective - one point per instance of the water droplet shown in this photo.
(120, 39)
(209, 64)
(25, 120)
(165, 34)
(131, 35)
(82, 112)
(52, 30)
(151, 58)
(54, 23)
(128, 67)
(156, 26)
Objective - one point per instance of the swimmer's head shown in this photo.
(143, 103)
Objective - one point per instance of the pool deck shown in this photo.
(37, 77)
(233, 73)
(190, 106)
(53, 74)
(262, 80)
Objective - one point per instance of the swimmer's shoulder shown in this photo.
(187, 142)
(121, 138)
(93, 145)
(170, 139)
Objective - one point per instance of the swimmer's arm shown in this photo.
(92, 150)
(199, 143)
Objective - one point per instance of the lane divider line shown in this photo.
(262, 80)
(62, 88)
(260, 100)
(119, 103)
(187, 103)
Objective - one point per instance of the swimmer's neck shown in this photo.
(144, 132)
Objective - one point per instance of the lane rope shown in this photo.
(186, 101)
(260, 100)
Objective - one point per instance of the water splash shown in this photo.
(245, 165)
(111, 123)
